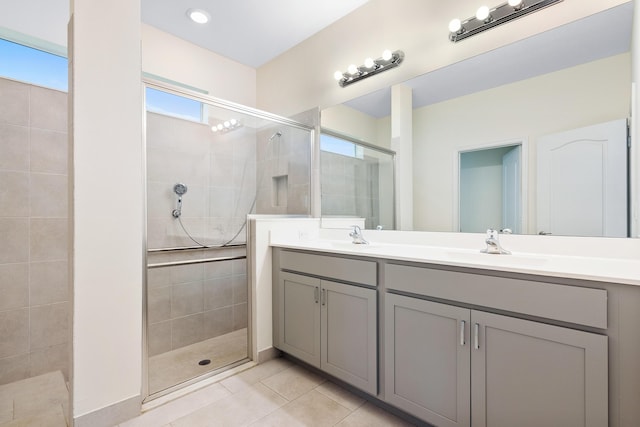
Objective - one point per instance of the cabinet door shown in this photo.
(532, 374)
(427, 360)
(349, 334)
(299, 317)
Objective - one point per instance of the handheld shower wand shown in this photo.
(179, 189)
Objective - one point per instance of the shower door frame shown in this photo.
(252, 351)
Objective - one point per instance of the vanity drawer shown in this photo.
(342, 269)
(573, 304)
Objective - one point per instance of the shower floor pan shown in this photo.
(180, 365)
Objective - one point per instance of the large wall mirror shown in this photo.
(561, 97)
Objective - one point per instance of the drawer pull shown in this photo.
(315, 294)
(462, 326)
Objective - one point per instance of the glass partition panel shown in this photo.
(357, 180)
(209, 165)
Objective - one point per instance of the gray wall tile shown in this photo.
(48, 239)
(14, 108)
(218, 322)
(14, 147)
(49, 282)
(14, 368)
(14, 194)
(15, 240)
(159, 304)
(218, 293)
(14, 286)
(186, 299)
(49, 325)
(48, 195)
(50, 359)
(49, 151)
(48, 109)
(240, 316)
(159, 339)
(187, 330)
(14, 332)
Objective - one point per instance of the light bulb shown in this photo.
(352, 69)
(220, 127)
(515, 3)
(482, 13)
(214, 129)
(233, 122)
(368, 63)
(198, 16)
(227, 124)
(338, 75)
(387, 55)
(455, 25)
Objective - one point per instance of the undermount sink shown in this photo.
(498, 259)
(349, 245)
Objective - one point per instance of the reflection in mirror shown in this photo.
(563, 79)
(357, 180)
(490, 190)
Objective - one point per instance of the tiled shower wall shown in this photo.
(350, 187)
(191, 303)
(283, 172)
(34, 283)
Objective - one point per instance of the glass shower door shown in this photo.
(209, 165)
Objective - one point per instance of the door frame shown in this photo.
(524, 176)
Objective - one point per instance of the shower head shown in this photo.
(179, 189)
(278, 134)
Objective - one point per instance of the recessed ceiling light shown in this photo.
(198, 15)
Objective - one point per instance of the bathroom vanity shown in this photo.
(457, 345)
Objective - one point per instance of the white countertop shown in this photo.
(612, 270)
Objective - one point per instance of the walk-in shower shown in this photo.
(203, 178)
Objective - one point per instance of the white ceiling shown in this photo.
(598, 36)
(251, 32)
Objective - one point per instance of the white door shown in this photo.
(511, 195)
(582, 181)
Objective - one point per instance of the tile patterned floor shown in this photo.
(275, 393)
(174, 367)
(41, 401)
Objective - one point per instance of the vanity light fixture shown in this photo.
(486, 18)
(370, 67)
(199, 16)
(226, 126)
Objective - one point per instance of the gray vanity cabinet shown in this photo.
(330, 325)
(299, 317)
(427, 360)
(452, 366)
(527, 373)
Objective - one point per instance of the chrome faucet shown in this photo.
(493, 242)
(356, 235)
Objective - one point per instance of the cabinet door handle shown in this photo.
(324, 297)
(315, 294)
(476, 341)
(462, 327)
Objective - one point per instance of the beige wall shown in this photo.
(34, 282)
(302, 77)
(172, 58)
(580, 96)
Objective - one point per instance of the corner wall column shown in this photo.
(107, 208)
(402, 144)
